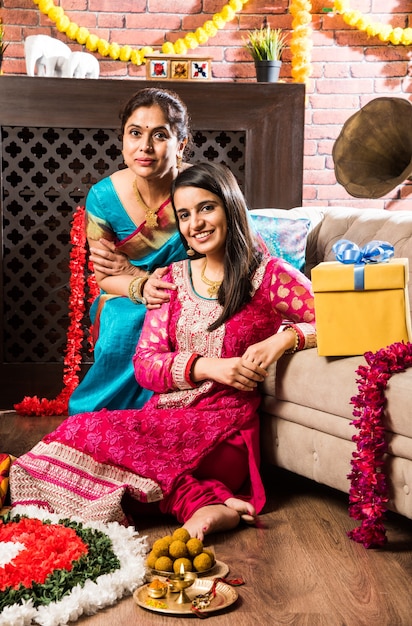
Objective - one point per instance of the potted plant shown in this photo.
(266, 46)
(3, 45)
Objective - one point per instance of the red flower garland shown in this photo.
(77, 307)
(368, 494)
(47, 547)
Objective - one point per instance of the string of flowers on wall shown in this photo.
(385, 32)
(93, 43)
(301, 41)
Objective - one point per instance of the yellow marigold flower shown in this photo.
(114, 51)
(45, 5)
(82, 35)
(341, 6)
(201, 35)
(147, 51)
(62, 24)
(362, 24)
(180, 47)
(295, 7)
(72, 29)
(125, 53)
(103, 47)
(236, 5)
(54, 13)
(92, 43)
(302, 18)
(351, 17)
(168, 48)
(396, 36)
(191, 41)
(406, 38)
(218, 21)
(227, 13)
(137, 57)
(385, 32)
(373, 29)
(301, 48)
(210, 28)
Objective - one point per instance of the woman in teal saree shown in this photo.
(132, 235)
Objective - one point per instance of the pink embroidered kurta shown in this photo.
(162, 451)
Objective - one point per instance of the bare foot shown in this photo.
(211, 519)
(246, 510)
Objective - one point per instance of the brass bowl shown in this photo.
(159, 591)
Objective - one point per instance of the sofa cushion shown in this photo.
(285, 238)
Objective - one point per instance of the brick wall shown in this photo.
(348, 68)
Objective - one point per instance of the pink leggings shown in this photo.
(220, 476)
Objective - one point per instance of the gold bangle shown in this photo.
(135, 289)
(140, 287)
(297, 339)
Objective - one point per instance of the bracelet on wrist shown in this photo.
(189, 369)
(135, 290)
(299, 340)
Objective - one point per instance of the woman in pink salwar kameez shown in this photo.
(194, 447)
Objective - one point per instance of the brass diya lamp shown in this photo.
(181, 582)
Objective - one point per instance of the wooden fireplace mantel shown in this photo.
(271, 114)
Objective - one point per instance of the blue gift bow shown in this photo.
(348, 252)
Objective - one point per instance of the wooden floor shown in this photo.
(299, 566)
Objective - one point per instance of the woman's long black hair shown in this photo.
(243, 254)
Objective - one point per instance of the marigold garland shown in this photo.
(385, 32)
(75, 333)
(368, 494)
(137, 56)
(301, 42)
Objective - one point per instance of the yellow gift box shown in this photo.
(352, 322)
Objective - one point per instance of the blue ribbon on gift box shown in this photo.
(375, 251)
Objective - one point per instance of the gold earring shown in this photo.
(178, 162)
(190, 251)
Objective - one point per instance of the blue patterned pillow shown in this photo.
(285, 238)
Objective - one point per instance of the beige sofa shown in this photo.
(306, 410)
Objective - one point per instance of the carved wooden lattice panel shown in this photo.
(46, 174)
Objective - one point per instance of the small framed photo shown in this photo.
(158, 68)
(175, 67)
(179, 69)
(200, 69)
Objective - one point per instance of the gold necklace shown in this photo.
(150, 214)
(213, 284)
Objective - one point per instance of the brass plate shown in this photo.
(219, 570)
(225, 596)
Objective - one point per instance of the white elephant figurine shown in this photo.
(45, 55)
(81, 65)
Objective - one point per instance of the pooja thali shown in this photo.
(225, 596)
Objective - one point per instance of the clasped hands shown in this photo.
(110, 261)
(247, 371)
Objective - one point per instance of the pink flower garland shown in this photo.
(368, 494)
(75, 333)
